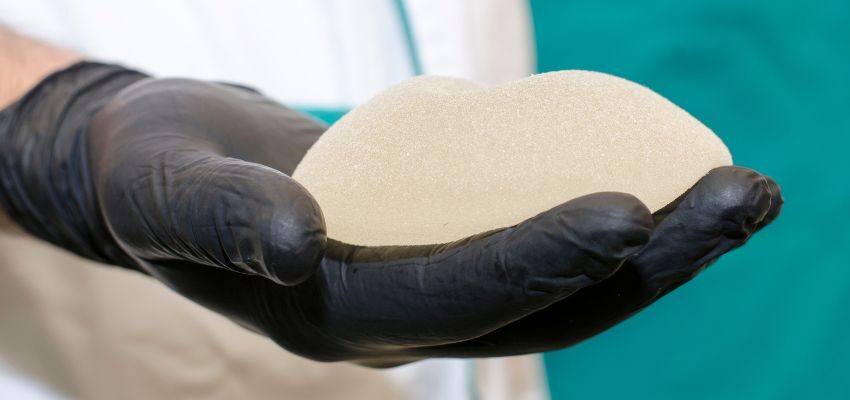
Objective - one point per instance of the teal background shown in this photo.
(772, 79)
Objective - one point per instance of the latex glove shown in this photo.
(187, 181)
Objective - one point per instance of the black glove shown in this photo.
(187, 181)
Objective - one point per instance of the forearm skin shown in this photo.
(24, 62)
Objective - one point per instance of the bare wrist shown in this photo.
(24, 62)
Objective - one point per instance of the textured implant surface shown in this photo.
(436, 159)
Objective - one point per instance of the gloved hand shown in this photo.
(187, 181)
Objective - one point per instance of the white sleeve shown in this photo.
(484, 40)
(325, 53)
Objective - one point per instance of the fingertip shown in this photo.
(266, 223)
(613, 224)
(295, 242)
(776, 202)
(740, 197)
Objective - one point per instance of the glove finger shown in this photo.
(167, 199)
(776, 202)
(394, 297)
(718, 214)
